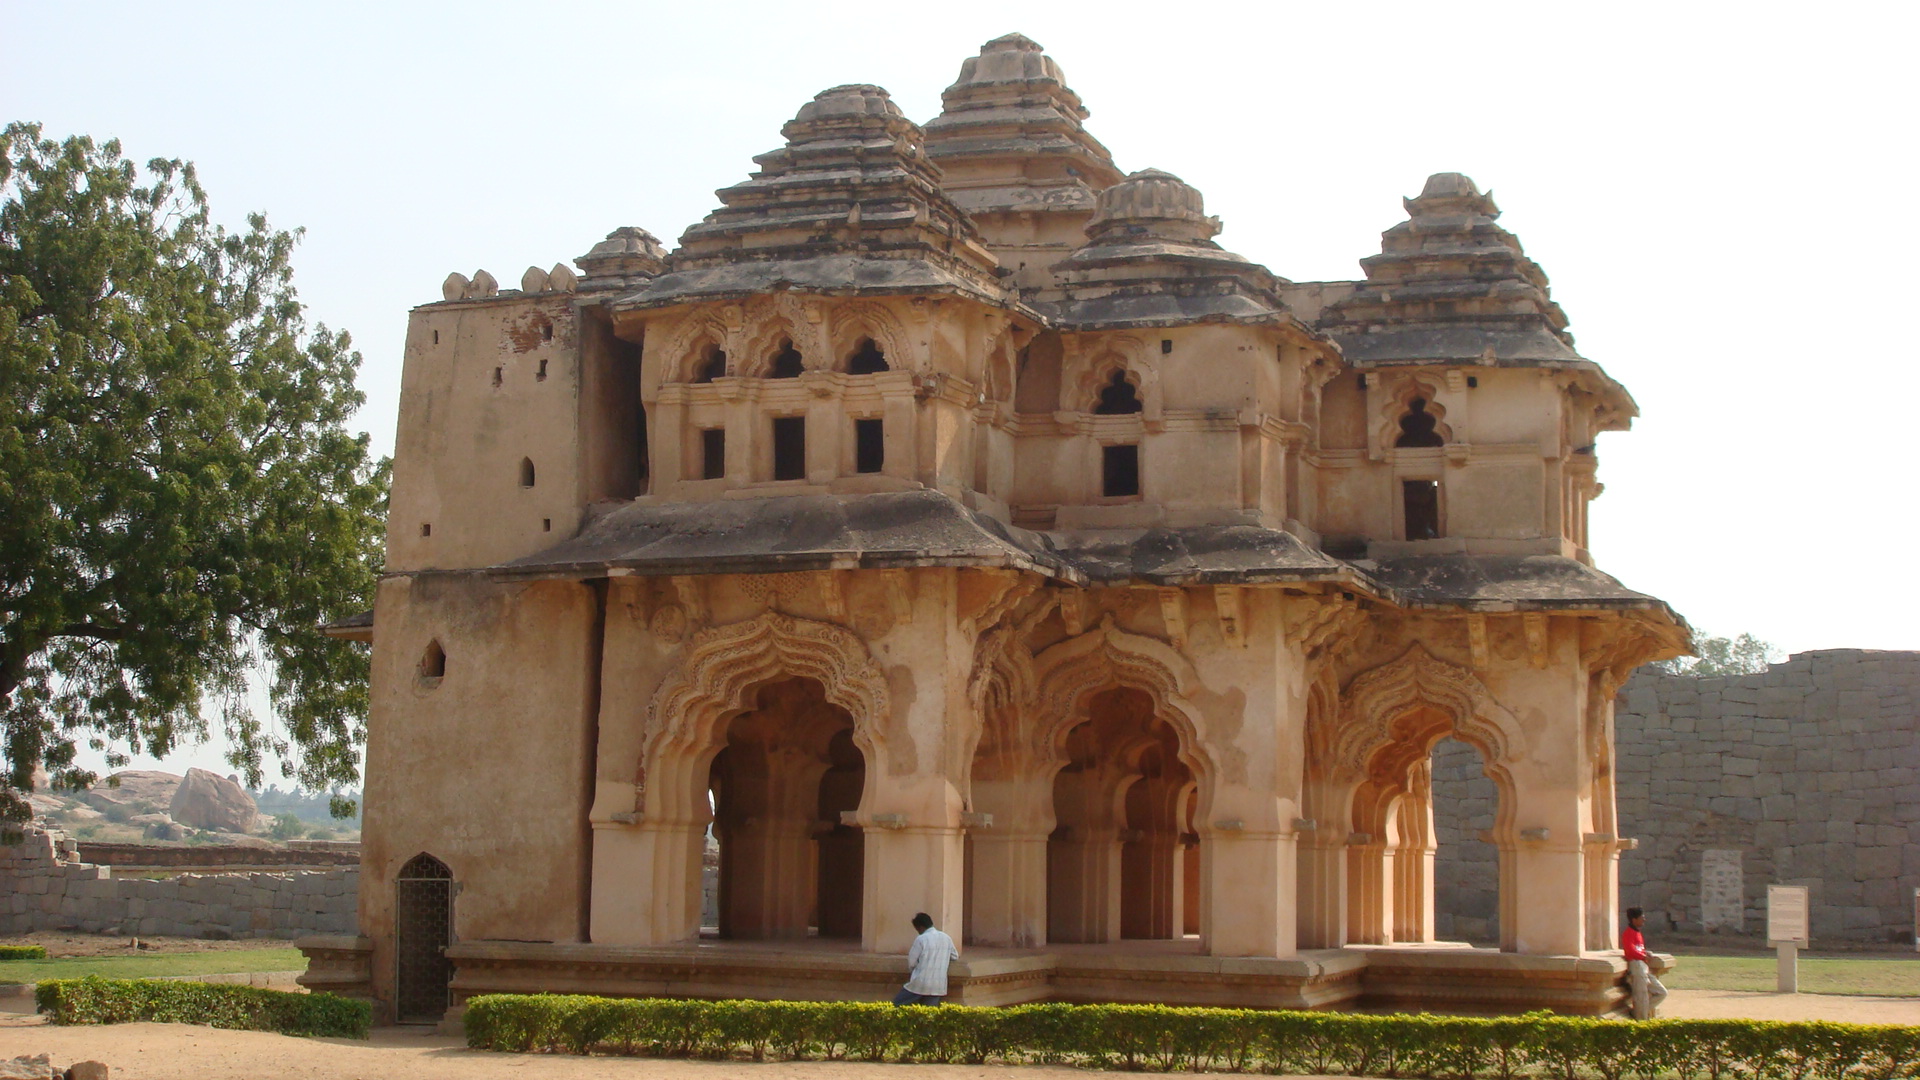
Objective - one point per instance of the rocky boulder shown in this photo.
(134, 787)
(206, 801)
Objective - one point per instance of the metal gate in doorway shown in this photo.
(423, 920)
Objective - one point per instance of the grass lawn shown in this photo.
(222, 962)
(1879, 978)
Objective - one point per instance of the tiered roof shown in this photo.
(1450, 286)
(1150, 259)
(1009, 134)
(851, 204)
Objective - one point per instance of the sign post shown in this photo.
(1787, 931)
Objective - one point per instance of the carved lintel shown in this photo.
(1359, 839)
(1305, 824)
(1538, 834)
(1073, 612)
(1477, 642)
(973, 819)
(899, 593)
(1226, 603)
(1536, 624)
(1230, 825)
(890, 821)
(1173, 611)
(833, 594)
(692, 597)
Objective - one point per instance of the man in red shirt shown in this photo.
(1648, 992)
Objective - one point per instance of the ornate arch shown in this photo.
(1400, 402)
(1067, 673)
(720, 668)
(851, 322)
(1376, 700)
(756, 355)
(686, 348)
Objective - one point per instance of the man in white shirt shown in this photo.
(927, 964)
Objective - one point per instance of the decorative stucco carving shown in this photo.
(718, 672)
(1400, 402)
(1106, 656)
(852, 322)
(1375, 700)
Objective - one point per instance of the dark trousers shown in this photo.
(908, 997)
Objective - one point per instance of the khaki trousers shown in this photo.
(1648, 991)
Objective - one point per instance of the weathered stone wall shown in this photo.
(42, 888)
(1808, 774)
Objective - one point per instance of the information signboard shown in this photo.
(1787, 915)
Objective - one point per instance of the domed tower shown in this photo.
(1014, 154)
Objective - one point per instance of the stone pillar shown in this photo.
(1009, 888)
(1083, 884)
(1322, 891)
(911, 869)
(1150, 885)
(1250, 891)
(646, 883)
(1369, 892)
(1549, 774)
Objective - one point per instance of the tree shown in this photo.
(1744, 655)
(181, 506)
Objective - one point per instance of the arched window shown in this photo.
(433, 662)
(526, 472)
(1118, 397)
(867, 359)
(1419, 427)
(786, 363)
(712, 366)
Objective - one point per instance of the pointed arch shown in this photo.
(767, 342)
(1066, 674)
(692, 345)
(852, 322)
(720, 670)
(1378, 703)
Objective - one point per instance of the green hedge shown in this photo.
(94, 1000)
(1161, 1038)
(23, 952)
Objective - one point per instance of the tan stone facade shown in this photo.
(949, 524)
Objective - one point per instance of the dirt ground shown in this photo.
(61, 943)
(180, 1052)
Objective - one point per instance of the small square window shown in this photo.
(713, 453)
(869, 446)
(1120, 470)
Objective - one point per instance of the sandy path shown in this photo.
(180, 1052)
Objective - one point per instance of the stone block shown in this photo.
(1876, 863)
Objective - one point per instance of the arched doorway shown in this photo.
(1116, 867)
(1466, 898)
(423, 926)
(788, 769)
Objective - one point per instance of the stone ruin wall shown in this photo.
(43, 886)
(1808, 774)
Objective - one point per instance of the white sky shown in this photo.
(1717, 191)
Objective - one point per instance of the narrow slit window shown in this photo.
(1422, 504)
(1419, 427)
(1118, 397)
(869, 446)
(499, 375)
(712, 366)
(789, 448)
(526, 472)
(541, 375)
(713, 453)
(786, 363)
(1120, 470)
(867, 359)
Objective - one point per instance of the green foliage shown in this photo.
(286, 827)
(94, 1000)
(181, 505)
(23, 952)
(151, 964)
(1744, 655)
(1166, 1039)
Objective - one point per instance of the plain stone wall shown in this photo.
(1808, 774)
(40, 889)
